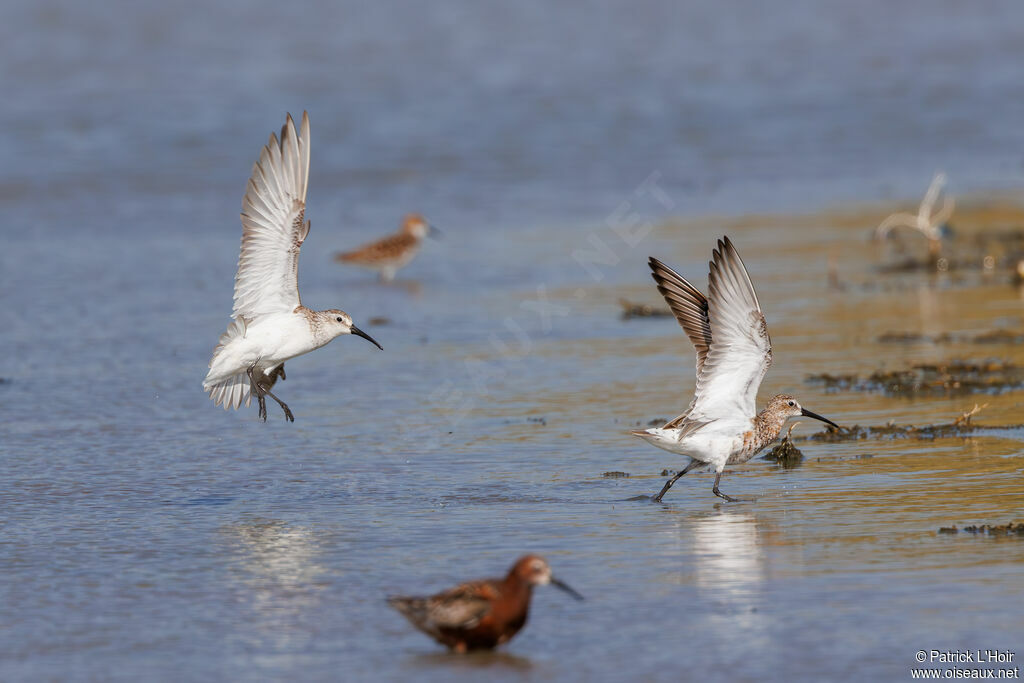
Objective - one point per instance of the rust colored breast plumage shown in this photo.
(749, 442)
(764, 431)
(748, 447)
(506, 616)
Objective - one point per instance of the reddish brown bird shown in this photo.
(480, 615)
(389, 254)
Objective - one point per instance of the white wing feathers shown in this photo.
(732, 363)
(274, 226)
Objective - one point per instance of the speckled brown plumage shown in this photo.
(734, 351)
(390, 253)
(766, 427)
(382, 251)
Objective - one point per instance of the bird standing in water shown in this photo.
(480, 615)
(389, 254)
(722, 426)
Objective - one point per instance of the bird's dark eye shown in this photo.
(790, 403)
(339, 320)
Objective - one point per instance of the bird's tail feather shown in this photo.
(235, 329)
(662, 438)
(232, 392)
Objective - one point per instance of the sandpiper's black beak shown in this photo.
(807, 413)
(433, 232)
(359, 333)
(566, 587)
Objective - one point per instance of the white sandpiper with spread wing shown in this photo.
(722, 426)
(930, 223)
(270, 323)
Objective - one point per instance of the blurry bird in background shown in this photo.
(389, 254)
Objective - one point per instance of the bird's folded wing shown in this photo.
(274, 225)
(381, 250)
(740, 352)
(462, 607)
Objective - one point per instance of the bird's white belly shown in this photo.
(277, 338)
(266, 343)
(713, 444)
(713, 449)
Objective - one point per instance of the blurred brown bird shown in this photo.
(480, 615)
(389, 254)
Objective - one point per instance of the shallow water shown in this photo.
(148, 535)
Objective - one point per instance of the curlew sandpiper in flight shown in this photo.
(722, 426)
(270, 323)
(389, 254)
(480, 615)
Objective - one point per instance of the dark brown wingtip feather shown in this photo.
(660, 271)
(688, 304)
(655, 265)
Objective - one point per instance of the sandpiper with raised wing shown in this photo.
(930, 223)
(722, 426)
(390, 253)
(270, 323)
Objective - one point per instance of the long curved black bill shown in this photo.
(359, 333)
(807, 413)
(564, 586)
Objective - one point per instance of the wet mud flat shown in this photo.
(962, 426)
(984, 236)
(1008, 529)
(952, 378)
(989, 337)
(632, 309)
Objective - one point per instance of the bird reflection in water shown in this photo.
(730, 569)
(278, 580)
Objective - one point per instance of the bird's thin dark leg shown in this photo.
(726, 497)
(258, 390)
(287, 413)
(668, 484)
(719, 493)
